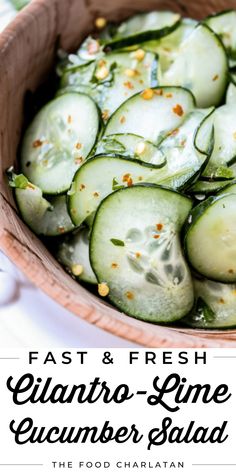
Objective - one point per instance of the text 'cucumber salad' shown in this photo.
(131, 168)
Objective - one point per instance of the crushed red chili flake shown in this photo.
(178, 110)
(216, 77)
(78, 145)
(125, 177)
(114, 265)
(159, 226)
(37, 143)
(221, 300)
(96, 194)
(158, 92)
(130, 295)
(78, 160)
(82, 187)
(129, 182)
(138, 254)
(156, 236)
(129, 85)
(105, 115)
(122, 119)
(168, 95)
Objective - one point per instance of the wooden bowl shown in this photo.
(27, 54)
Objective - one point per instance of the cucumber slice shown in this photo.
(168, 47)
(184, 161)
(135, 249)
(223, 24)
(60, 137)
(143, 27)
(112, 79)
(215, 305)
(44, 217)
(132, 146)
(192, 69)
(73, 253)
(152, 114)
(224, 150)
(210, 241)
(102, 175)
(231, 94)
(202, 187)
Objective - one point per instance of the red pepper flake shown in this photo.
(122, 119)
(138, 255)
(78, 145)
(69, 119)
(78, 160)
(125, 177)
(130, 295)
(216, 77)
(156, 236)
(158, 92)
(178, 110)
(96, 194)
(82, 187)
(129, 182)
(37, 143)
(168, 95)
(159, 226)
(105, 115)
(114, 265)
(129, 85)
(221, 300)
(102, 63)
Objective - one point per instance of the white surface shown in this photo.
(29, 318)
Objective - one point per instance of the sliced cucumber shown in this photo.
(60, 137)
(168, 47)
(133, 146)
(184, 161)
(73, 253)
(210, 240)
(143, 27)
(231, 94)
(202, 187)
(192, 69)
(102, 175)
(112, 79)
(44, 217)
(224, 151)
(215, 305)
(223, 24)
(135, 249)
(152, 113)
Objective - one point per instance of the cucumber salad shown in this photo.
(131, 168)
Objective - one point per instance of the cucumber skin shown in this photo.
(140, 37)
(195, 214)
(100, 280)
